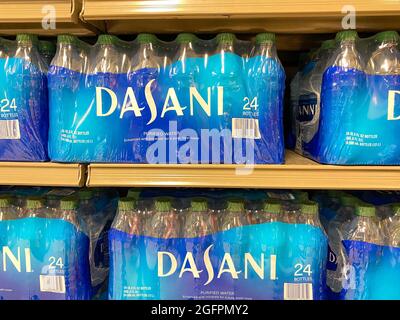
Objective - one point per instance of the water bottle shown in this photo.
(68, 56)
(308, 214)
(8, 213)
(146, 56)
(146, 68)
(91, 226)
(235, 215)
(310, 101)
(128, 219)
(343, 87)
(198, 221)
(363, 226)
(184, 74)
(270, 211)
(54, 226)
(265, 77)
(348, 56)
(338, 230)
(185, 69)
(68, 211)
(267, 69)
(338, 226)
(32, 228)
(233, 220)
(164, 223)
(226, 70)
(385, 60)
(274, 237)
(27, 49)
(108, 58)
(65, 78)
(364, 235)
(27, 122)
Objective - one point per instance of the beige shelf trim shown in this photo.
(292, 17)
(26, 16)
(42, 174)
(297, 173)
(127, 9)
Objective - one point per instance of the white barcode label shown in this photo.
(54, 284)
(9, 129)
(245, 128)
(297, 291)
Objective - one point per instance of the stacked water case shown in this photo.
(364, 255)
(23, 100)
(348, 101)
(149, 101)
(54, 244)
(217, 245)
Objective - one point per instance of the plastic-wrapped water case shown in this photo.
(349, 103)
(217, 247)
(23, 100)
(54, 243)
(149, 101)
(364, 253)
(45, 253)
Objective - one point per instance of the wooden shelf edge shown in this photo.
(206, 9)
(42, 174)
(26, 16)
(297, 173)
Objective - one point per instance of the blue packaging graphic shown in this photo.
(43, 259)
(218, 104)
(23, 101)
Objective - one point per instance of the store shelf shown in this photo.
(42, 174)
(18, 16)
(297, 173)
(280, 16)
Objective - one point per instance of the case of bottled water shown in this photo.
(364, 245)
(216, 244)
(346, 101)
(54, 243)
(150, 101)
(23, 99)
